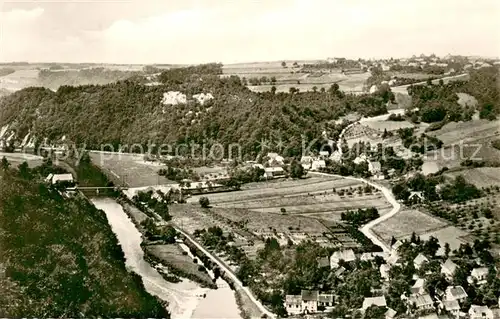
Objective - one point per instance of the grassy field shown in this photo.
(290, 76)
(131, 168)
(452, 235)
(404, 223)
(481, 176)
(280, 188)
(17, 158)
(255, 212)
(465, 140)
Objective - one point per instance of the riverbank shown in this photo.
(186, 297)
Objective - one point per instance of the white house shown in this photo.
(374, 167)
(415, 197)
(325, 300)
(309, 301)
(345, 255)
(419, 261)
(275, 159)
(293, 304)
(316, 165)
(324, 154)
(419, 287)
(336, 157)
(371, 256)
(448, 269)
(480, 312)
(478, 274)
(360, 159)
(396, 245)
(384, 271)
(274, 172)
(455, 293)
(374, 301)
(56, 178)
(452, 306)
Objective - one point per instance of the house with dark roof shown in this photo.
(309, 301)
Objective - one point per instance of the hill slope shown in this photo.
(129, 112)
(59, 257)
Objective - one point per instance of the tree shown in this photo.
(283, 64)
(204, 202)
(5, 163)
(24, 170)
(296, 170)
(447, 249)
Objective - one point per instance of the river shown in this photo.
(182, 297)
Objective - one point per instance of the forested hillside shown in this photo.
(59, 257)
(129, 112)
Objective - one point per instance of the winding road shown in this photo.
(396, 206)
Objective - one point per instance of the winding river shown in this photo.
(182, 297)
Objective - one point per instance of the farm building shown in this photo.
(345, 255)
(307, 302)
(422, 302)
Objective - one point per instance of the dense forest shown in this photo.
(129, 112)
(58, 256)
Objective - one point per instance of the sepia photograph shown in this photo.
(250, 159)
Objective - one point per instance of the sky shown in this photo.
(230, 31)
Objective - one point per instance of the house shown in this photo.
(318, 164)
(384, 271)
(293, 304)
(360, 159)
(306, 161)
(339, 271)
(480, 312)
(448, 269)
(394, 259)
(371, 256)
(390, 313)
(59, 178)
(419, 261)
(452, 306)
(422, 302)
(374, 301)
(478, 274)
(309, 301)
(415, 197)
(274, 172)
(324, 154)
(455, 293)
(336, 157)
(396, 245)
(325, 300)
(419, 287)
(374, 167)
(275, 159)
(346, 255)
